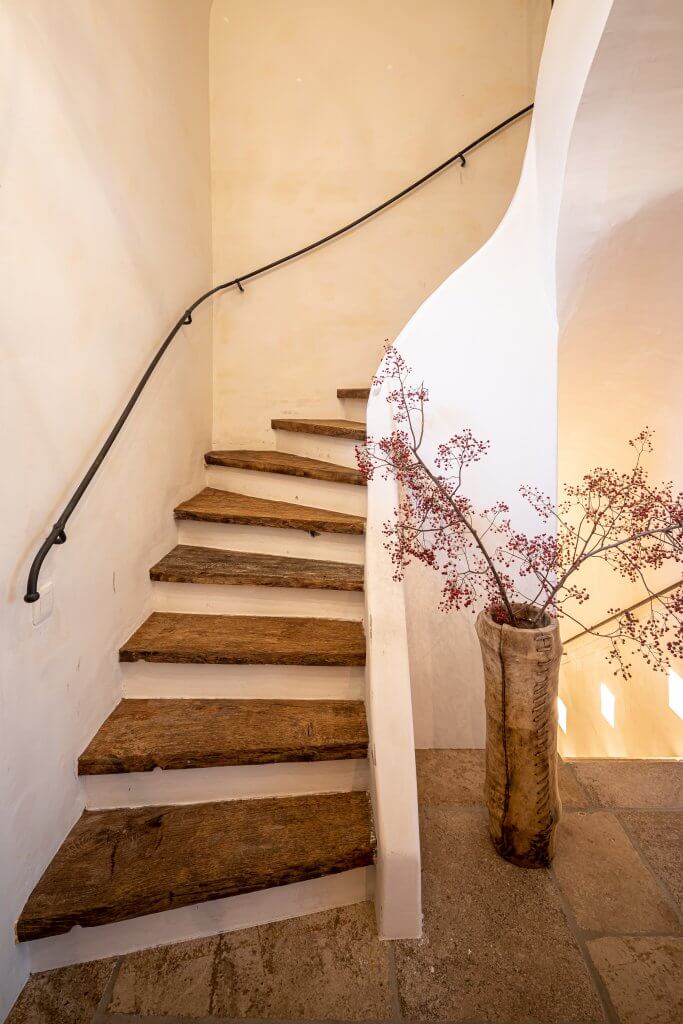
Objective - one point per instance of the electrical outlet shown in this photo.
(42, 608)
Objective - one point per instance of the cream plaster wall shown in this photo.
(105, 223)
(319, 111)
(620, 264)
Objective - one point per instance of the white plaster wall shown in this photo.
(105, 224)
(620, 264)
(485, 345)
(320, 110)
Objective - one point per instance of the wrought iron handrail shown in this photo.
(631, 608)
(57, 534)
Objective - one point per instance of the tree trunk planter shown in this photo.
(521, 670)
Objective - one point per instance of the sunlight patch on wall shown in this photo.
(562, 715)
(607, 704)
(676, 693)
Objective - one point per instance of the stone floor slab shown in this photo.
(660, 838)
(605, 882)
(69, 995)
(457, 777)
(168, 980)
(643, 977)
(496, 945)
(320, 967)
(613, 782)
(323, 966)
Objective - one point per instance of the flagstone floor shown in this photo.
(597, 938)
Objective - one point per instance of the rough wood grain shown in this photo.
(215, 506)
(284, 463)
(125, 863)
(141, 735)
(360, 393)
(188, 564)
(351, 429)
(246, 640)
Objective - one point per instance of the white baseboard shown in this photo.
(202, 919)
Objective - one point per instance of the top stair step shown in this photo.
(216, 506)
(358, 393)
(283, 462)
(128, 862)
(353, 430)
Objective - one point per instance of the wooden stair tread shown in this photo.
(124, 863)
(361, 393)
(188, 564)
(282, 462)
(246, 640)
(216, 506)
(141, 735)
(352, 429)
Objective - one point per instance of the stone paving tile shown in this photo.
(660, 837)
(168, 980)
(606, 884)
(324, 966)
(496, 946)
(328, 965)
(66, 996)
(643, 977)
(611, 782)
(457, 777)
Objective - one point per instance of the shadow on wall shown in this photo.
(621, 368)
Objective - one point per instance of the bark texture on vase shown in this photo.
(521, 671)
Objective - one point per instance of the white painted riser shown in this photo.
(212, 599)
(335, 547)
(230, 782)
(203, 919)
(316, 446)
(265, 682)
(298, 490)
(353, 409)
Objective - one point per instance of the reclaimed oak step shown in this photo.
(141, 735)
(284, 463)
(124, 863)
(356, 393)
(215, 506)
(354, 430)
(189, 564)
(246, 640)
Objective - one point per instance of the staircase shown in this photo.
(236, 760)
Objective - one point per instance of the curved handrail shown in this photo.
(57, 534)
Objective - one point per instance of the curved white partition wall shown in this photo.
(485, 344)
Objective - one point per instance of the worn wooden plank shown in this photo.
(352, 429)
(359, 393)
(188, 564)
(125, 863)
(215, 506)
(141, 735)
(246, 640)
(284, 463)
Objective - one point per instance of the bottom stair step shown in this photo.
(119, 864)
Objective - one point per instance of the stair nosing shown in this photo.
(355, 431)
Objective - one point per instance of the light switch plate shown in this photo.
(42, 608)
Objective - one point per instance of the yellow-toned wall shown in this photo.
(105, 227)
(319, 111)
(620, 363)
